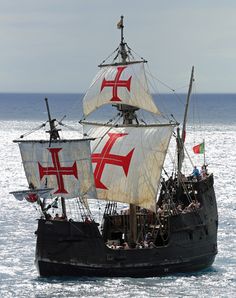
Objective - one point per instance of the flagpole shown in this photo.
(204, 152)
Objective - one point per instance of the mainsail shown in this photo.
(65, 166)
(128, 161)
(123, 84)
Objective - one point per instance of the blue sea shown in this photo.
(212, 116)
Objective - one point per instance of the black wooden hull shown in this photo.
(78, 249)
(58, 269)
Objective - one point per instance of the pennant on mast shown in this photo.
(120, 24)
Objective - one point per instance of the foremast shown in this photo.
(54, 135)
(53, 132)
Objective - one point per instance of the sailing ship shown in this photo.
(169, 224)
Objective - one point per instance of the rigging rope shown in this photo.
(69, 127)
(106, 132)
(117, 49)
(33, 130)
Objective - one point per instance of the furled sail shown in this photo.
(128, 161)
(122, 84)
(65, 166)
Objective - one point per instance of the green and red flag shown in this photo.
(199, 149)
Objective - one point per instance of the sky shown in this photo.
(55, 45)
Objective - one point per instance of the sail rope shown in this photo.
(138, 55)
(185, 149)
(152, 81)
(38, 210)
(41, 126)
(70, 127)
(130, 52)
(84, 211)
(33, 130)
(105, 133)
(155, 78)
(109, 56)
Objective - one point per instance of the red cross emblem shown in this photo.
(117, 83)
(31, 197)
(105, 157)
(57, 170)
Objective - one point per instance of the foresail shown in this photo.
(128, 162)
(64, 166)
(124, 84)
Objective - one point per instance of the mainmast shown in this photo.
(122, 48)
(128, 113)
(181, 139)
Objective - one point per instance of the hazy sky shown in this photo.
(56, 45)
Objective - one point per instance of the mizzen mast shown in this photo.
(181, 139)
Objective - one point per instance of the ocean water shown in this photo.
(19, 113)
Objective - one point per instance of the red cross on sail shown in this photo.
(65, 168)
(127, 162)
(57, 170)
(117, 83)
(106, 157)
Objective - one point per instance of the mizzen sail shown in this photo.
(128, 162)
(122, 84)
(65, 166)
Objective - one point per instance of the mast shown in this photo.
(54, 135)
(122, 50)
(181, 139)
(128, 113)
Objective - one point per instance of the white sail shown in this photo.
(64, 166)
(128, 161)
(32, 195)
(123, 84)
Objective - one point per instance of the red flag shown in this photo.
(199, 149)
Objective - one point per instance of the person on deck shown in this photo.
(57, 217)
(87, 220)
(125, 245)
(204, 172)
(195, 173)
